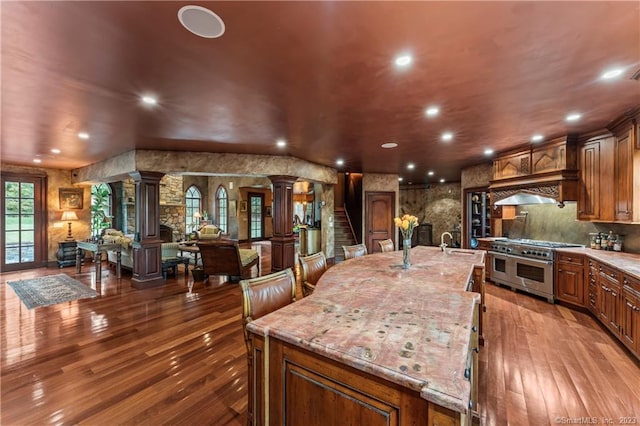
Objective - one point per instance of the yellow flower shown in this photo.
(405, 224)
(398, 222)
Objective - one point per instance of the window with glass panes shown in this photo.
(222, 207)
(193, 202)
(19, 222)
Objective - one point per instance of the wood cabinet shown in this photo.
(512, 164)
(66, 254)
(570, 282)
(630, 333)
(609, 298)
(595, 193)
(486, 245)
(624, 174)
(592, 287)
(609, 187)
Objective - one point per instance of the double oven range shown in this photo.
(525, 265)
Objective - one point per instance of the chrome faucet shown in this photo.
(443, 245)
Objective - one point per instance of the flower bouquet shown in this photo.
(406, 224)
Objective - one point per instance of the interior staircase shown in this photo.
(343, 236)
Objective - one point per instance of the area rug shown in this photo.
(50, 290)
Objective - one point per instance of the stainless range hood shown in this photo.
(523, 198)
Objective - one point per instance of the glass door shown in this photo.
(256, 219)
(23, 230)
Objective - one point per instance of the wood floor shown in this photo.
(167, 356)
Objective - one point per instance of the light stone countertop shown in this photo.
(410, 327)
(628, 263)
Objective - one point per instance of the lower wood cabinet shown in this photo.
(610, 295)
(592, 287)
(609, 298)
(630, 333)
(570, 279)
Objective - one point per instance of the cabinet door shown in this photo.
(630, 319)
(588, 195)
(623, 177)
(595, 193)
(570, 284)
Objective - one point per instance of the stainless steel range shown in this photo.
(525, 265)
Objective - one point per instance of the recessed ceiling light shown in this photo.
(573, 117)
(488, 151)
(411, 166)
(55, 151)
(432, 111)
(83, 135)
(430, 173)
(442, 180)
(37, 160)
(389, 145)
(281, 143)
(536, 138)
(149, 100)
(400, 179)
(447, 136)
(611, 74)
(201, 21)
(340, 162)
(403, 60)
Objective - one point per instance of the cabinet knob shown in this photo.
(569, 259)
(467, 373)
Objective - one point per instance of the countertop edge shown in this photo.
(616, 260)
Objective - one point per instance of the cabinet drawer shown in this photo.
(572, 259)
(611, 273)
(632, 283)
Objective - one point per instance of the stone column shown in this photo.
(283, 242)
(147, 252)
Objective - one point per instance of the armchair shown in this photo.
(313, 266)
(355, 250)
(224, 257)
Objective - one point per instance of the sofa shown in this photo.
(170, 257)
(209, 232)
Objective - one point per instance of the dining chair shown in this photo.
(386, 245)
(263, 295)
(312, 266)
(355, 250)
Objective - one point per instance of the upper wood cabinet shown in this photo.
(512, 164)
(595, 192)
(609, 187)
(553, 156)
(624, 173)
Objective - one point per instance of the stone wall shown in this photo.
(438, 204)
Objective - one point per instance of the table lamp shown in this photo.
(197, 216)
(69, 216)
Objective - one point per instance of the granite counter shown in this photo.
(628, 263)
(410, 327)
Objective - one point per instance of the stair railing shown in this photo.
(353, 234)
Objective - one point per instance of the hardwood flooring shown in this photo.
(167, 356)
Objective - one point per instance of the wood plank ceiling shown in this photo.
(319, 75)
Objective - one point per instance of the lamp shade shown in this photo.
(69, 215)
(197, 214)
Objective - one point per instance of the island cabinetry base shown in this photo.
(298, 387)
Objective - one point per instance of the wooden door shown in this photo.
(380, 208)
(23, 222)
(589, 193)
(630, 319)
(570, 284)
(255, 217)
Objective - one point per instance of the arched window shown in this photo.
(100, 208)
(193, 202)
(222, 208)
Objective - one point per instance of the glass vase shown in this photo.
(406, 253)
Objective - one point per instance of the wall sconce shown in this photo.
(69, 216)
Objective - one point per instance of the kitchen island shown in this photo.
(374, 344)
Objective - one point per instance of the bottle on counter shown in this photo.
(617, 245)
(598, 244)
(610, 241)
